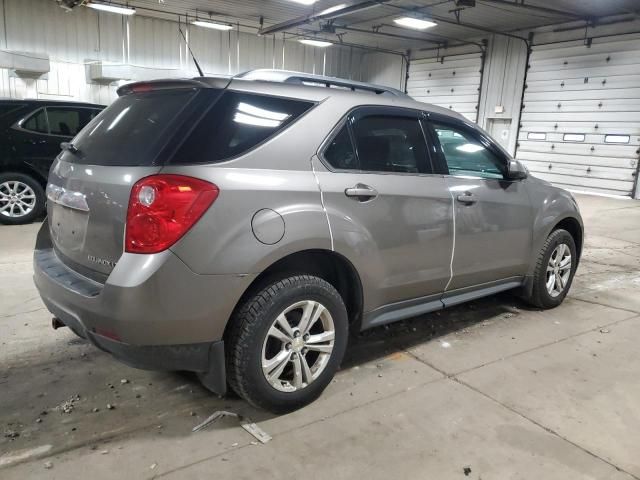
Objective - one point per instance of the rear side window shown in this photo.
(37, 122)
(390, 144)
(69, 121)
(237, 123)
(340, 153)
(133, 130)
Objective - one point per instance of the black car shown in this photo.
(30, 135)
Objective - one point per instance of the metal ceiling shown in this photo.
(372, 25)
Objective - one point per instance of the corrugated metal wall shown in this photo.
(71, 39)
(581, 114)
(384, 69)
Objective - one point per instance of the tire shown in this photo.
(540, 295)
(34, 198)
(251, 343)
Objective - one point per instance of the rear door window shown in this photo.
(237, 123)
(387, 143)
(340, 153)
(133, 130)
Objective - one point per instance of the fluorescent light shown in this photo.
(315, 43)
(305, 2)
(333, 9)
(214, 25)
(416, 23)
(112, 8)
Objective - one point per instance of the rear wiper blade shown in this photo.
(69, 147)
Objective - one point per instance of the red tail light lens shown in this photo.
(162, 208)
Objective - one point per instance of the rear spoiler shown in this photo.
(172, 84)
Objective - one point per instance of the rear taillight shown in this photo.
(162, 208)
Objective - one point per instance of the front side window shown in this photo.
(388, 143)
(237, 123)
(37, 122)
(465, 155)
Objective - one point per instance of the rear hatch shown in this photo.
(90, 183)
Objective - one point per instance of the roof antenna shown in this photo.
(191, 52)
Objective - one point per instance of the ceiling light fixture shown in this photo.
(107, 7)
(213, 25)
(305, 2)
(335, 8)
(316, 43)
(415, 23)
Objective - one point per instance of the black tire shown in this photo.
(540, 296)
(247, 332)
(38, 208)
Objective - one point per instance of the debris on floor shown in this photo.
(212, 418)
(48, 465)
(255, 430)
(467, 471)
(68, 405)
(604, 330)
(245, 422)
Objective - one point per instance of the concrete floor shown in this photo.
(492, 388)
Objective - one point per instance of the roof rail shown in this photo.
(300, 78)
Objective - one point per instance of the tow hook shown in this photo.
(56, 323)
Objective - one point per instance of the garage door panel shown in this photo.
(589, 139)
(591, 126)
(451, 82)
(577, 48)
(604, 83)
(593, 94)
(574, 181)
(608, 105)
(574, 148)
(595, 172)
(547, 159)
(584, 72)
(577, 98)
(587, 61)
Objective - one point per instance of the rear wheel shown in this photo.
(22, 198)
(554, 271)
(286, 342)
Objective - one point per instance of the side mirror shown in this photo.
(516, 170)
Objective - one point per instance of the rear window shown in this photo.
(237, 123)
(133, 130)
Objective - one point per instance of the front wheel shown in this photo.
(286, 342)
(554, 271)
(22, 198)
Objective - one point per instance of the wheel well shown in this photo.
(24, 169)
(572, 226)
(330, 266)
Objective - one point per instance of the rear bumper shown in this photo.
(153, 311)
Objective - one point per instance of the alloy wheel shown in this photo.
(298, 346)
(17, 199)
(559, 270)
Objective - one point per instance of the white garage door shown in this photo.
(580, 124)
(452, 82)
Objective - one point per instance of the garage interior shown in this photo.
(492, 389)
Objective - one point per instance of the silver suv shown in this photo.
(241, 228)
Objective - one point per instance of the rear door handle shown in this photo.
(466, 198)
(361, 192)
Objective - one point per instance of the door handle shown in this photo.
(467, 198)
(361, 192)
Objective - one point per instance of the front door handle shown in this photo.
(467, 198)
(361, 192)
